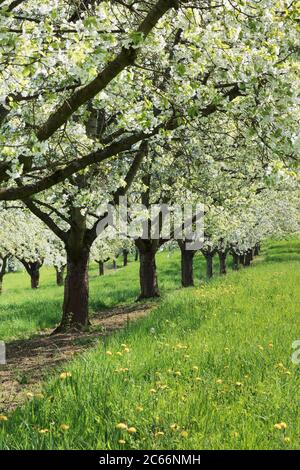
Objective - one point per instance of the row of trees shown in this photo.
(163, 101)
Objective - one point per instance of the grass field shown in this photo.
(209, 368)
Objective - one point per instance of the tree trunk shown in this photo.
(248, 258)
(242, 260)
(235, 261)
(114, 264)
(76, 294)
(101, 268)
(148, 276)
(60, 275)
(33, 269)
(256, 250)
(209, 265)
(222, 260)
(136, 256)
(3, 270)
(125, 257)
(187, 268)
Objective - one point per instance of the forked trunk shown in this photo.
(33, 269)
(148, 276)
(222, 260)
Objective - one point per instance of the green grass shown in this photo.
(214, 360)
(24, 311)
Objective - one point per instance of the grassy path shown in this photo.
(209, 368)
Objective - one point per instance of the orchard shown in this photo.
(162, 104)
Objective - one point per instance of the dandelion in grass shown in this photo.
(174, 427)
(287, 440)
(119, 353)
(131, 430)
(159, 434)
(65, 375)
(152, 391)
(184, 434)
(219, 381)
(281, 426)
(64, 427)
(43, 431)
(121, 441)
(121, 426)
(3, 418)
(109, 353)
(139, 409)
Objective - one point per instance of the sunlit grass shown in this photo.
(209, 368)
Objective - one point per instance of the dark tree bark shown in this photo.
(60, 275)
(136, 255)
(33, 269)
(209, 255)
(148, 275)
(248, 258)
(125, 257)
(76, 294)
(114, 264)
(3, 265)
(256, 249)
(187, 268)
(235, 261)
(242, 259)
(101, 268)
(222, 260)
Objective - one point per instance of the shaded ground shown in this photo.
(30, 361)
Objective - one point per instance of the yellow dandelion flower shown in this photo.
(184, 434)
(30, 395)
(235, 434)
(287, 440)
(64, 427)
(280, 426)
(3, 418)
(131, 430)
(159, 434)
(152, 390)
(219, 381)
(119, 353)
(187, 356)
(288, 372)
(139, 409)
(121, 441)
(174, 427)
(126, 350)
(195, 368)
(65, 375)
(43, 431)
(280, 365)
(121, 426)
(238, 384)
(124, 345)
(271, 345)
(198, 379)
(178, 373)
(109, 353)
(261, 348)
(39, 396)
